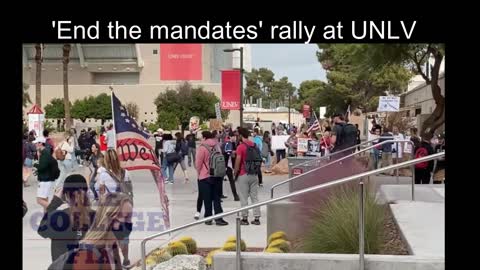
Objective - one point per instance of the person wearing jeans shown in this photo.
(247, 185)
(66, 165)
(169, 147)
(192, 149)
(208, 186)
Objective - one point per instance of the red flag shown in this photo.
(230, 90)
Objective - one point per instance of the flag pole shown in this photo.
(113, 118)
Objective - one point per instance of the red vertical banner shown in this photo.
(230, 90)
(306, 111)
(180, 62)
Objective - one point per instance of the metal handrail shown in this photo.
(293, 194)
(348, 156)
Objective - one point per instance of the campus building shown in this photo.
(137, 72)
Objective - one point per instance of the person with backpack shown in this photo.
(114, 179)
(228, 148)
(267, 152)
(210, 166)
(47, 171)
(423, 170)
(258, 140)
(170, 157)
(99, 247)
(344, 135)
(181, 148)
(30, 151)
(50, 145)
(75, 220)
(219, 137)
(64, 153)
(247, 165)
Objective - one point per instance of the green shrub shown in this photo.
(334, 226)
(190, 243)
(280, 244)
(47, 125)
(233, 239)
(152, 127)
(161, 255)
(177, 248)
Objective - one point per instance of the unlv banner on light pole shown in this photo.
(230, 90)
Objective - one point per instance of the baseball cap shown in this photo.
(160, 130)
(40, 140)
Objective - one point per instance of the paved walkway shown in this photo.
(36, 250)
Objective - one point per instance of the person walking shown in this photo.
(103, 140)
(386, 150)
(267, 152)
(344, 135)
(110, 139)
(208, 184)
(30, 152)
(423, 170)
(47, 171)
(229, 147)
(192, 149)
(170, 157)
(159, 144)
(76, 219)
(64, 153)
(181, 148)
(258, 140)
(93, 158)
(397, 154)
(247, 164)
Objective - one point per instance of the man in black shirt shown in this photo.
(423, 170)
(439, 173)
(159, 144)
(344, 135)
(192, 148)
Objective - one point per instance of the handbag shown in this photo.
(173, 157)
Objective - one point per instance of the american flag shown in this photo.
(314, 127)
(135, 152)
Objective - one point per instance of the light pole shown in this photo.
(241, 80)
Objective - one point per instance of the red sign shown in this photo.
(230, 90)
(297, 171)
(180, 62)
(306, 111)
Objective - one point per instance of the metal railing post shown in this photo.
(238, 241)
(361, 226)
(144, 256)
(396, 162)
(413, 182)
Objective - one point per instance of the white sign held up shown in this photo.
(388, 104)
(217, 111)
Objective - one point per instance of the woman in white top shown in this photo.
(66, 165)
(108, 176)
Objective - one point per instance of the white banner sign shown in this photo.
(35, 122)
(388, 104)
(322, 112)
(217, 111)
(278, 142)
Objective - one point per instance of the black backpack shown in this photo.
(253, 160)
(347, 136)
(54, 170)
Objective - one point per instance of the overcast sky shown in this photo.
(296, 61)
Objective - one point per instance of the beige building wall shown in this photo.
(276, 117)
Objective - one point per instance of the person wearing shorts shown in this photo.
(44, 169)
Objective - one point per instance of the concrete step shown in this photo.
(423, 193)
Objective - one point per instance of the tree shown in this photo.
(132, 109)
(167, 120)
(412, 56)
(187, 101)
(38, 73)
(56, 109)
(356, 83)
(83, 109)
(281, 90)
(259, 84)
(26, 97)
(66, 100)
(102, 107)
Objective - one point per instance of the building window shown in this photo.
(418, 111)
(151, 113)
(117, 78)
(145, 112)
(155, 51)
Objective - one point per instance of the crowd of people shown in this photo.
(79, 234)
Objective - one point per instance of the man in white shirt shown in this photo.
(111, 143)
(397, 153)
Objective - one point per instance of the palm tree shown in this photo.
(26, 97)
(66, 100)
(38, 74)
